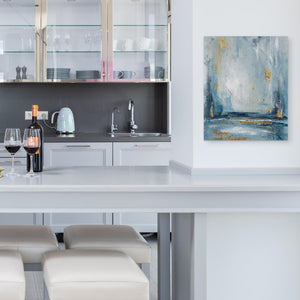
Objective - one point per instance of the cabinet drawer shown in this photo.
(78, 154)
(141, 154)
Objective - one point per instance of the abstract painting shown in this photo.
(246, 88)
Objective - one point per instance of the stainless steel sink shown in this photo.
(137, 134)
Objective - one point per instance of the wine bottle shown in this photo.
(38, 158)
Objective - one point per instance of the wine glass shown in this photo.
(12, 143)
(31, 144)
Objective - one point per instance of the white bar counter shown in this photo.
(162, 190)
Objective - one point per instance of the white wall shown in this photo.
(249, 256)
(230, 17)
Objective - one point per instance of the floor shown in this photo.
(34, 280)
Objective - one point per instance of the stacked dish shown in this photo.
(58, 73)
(88, 74)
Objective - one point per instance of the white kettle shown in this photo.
(65, 121)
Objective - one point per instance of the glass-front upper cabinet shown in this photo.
(139, 40)
(18, 60)
(72, 35)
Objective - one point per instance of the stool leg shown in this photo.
(146, 269)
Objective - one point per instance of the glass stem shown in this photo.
(12, 163)
(31, 165)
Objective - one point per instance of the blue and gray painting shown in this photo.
(246, 88)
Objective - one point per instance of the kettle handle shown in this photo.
(53, 115)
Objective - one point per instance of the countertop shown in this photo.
(97, 138)
(147, 189)
(154, 179)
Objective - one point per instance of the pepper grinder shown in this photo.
(18, 70)
(24, 75)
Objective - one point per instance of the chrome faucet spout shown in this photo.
(132, 126)
(114, 127)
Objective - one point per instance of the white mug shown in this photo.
(143, 44)
(128, 45)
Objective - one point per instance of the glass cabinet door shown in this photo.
(73, 40)
(139, 40)
(17, 40)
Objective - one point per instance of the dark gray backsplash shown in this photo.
(91, 104)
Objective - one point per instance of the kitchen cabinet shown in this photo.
(18, 219)
(140, 154)
(85, 40)
(18, 41)
(73, 155)
(77, 154)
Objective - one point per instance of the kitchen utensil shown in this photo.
(58, 73)
(118, 74)
(128, 74)
(88, 74)
(65, 121)
(155, 72)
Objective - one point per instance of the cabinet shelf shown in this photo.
(19, 52)
(17, 26)
(142, 51)
(72, 52)
(140, 25)
(83, 25)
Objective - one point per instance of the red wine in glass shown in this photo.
(12, 149)
(12, 143)
(31, 150)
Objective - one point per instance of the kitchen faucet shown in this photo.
(132, 126)
(114, 127)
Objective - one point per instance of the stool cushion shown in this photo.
(111, 237)
(31, 241)
(93, 275)
(12, 278)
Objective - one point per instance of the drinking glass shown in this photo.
(12, 143)
(31, 144)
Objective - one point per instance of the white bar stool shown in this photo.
(32, 241)
(12, 278)
(93, 275)
(110, 237)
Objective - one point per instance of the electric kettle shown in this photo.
(65, 121)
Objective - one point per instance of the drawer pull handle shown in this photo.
(9, 162)
(146, 146)
(78, 146)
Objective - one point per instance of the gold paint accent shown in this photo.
(222, 43)
(279, 114)
(253, 88)
(222, 133)
(217, 85)
(255, 122)
(217, 63)
(268, 75)
(270, 110)
(211, 111)
(264, 100)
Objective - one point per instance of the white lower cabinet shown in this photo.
(77, 155)
(140, 154)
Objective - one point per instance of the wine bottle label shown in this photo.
(32, 142)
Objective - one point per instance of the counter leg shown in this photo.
(163, 255)
(189, 258)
